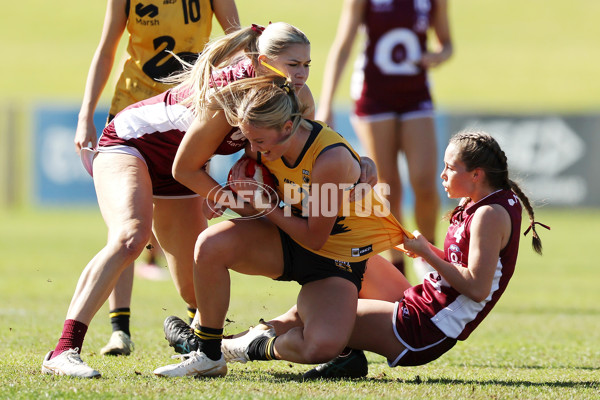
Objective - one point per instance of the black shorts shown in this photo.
(304, 266)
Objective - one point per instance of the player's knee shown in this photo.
(320, 351)
(130, 242)
(208, 246)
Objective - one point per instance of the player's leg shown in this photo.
(380, 140)
(119, 311)
(177, 224)
(373, 329)
(420, 147)
(327, 308)
(382, 281)
(284, 322)
(124, 192)
(251, 247)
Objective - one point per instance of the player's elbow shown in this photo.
(478, 294)
(178, 172)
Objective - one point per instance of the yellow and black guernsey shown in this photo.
(362, 229)
(157, 29)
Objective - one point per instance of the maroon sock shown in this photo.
(72, 337)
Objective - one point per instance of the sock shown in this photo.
(191, 313)
(72, 337)
(196, 321)
(262, 348)
(119, 318)
(210, 341)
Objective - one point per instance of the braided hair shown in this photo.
(480, 150)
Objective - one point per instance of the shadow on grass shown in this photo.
(569, 367)
(511, 383)
(281, 377)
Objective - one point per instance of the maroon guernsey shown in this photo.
(386, 74)
(453, 313)
(156, 126)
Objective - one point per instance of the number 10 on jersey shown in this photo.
(191, 10)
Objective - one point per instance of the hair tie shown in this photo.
(532, 226)
(258, 29)
(286, 87)
(272, 68)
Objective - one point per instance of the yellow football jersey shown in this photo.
(363, 228)
(157, 28)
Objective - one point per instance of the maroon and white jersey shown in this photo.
(239, 69)
(455, 314)
(156, 127)
(386, 72)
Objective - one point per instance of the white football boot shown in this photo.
(68, 363)
(196, 364)
(119, 344)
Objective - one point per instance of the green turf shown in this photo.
(541, 341)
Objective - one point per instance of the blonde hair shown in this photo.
(219, 53)
(265, 102)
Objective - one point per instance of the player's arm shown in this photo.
(368, 169)
(350, 20)
(490, 230)
(197, 147)
(307, 100)
(441, 28)
(335, 167)
(115, 21)
(227, 15)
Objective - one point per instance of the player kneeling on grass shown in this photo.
(320, 239)
(471, 273)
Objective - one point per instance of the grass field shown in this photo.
(541, 341)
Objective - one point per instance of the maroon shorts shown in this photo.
(423, 340)
(158, 153)
(417, 104)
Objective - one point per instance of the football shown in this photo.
(258, 172)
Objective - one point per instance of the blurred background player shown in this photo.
(393, 110)
(156, 28)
